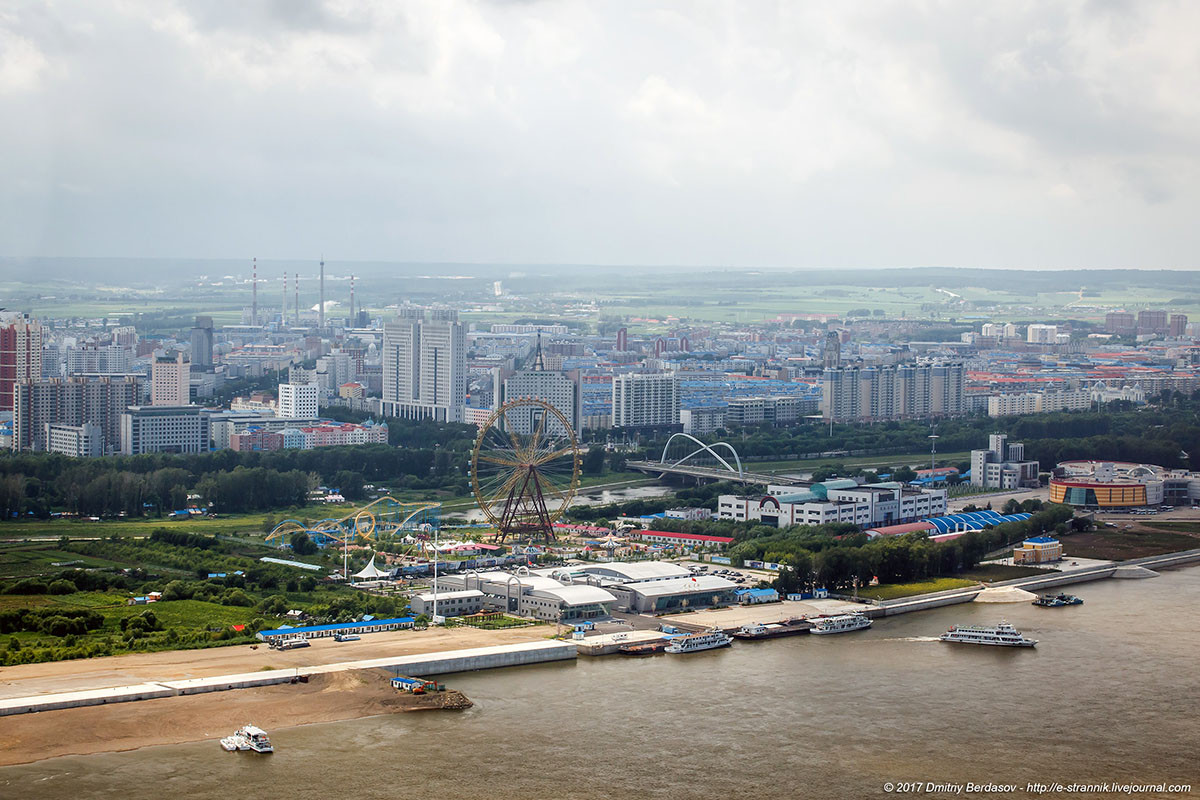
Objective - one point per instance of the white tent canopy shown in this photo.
(371, 571)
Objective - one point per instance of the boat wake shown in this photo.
(913, 639)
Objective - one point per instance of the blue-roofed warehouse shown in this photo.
(322, 631)
(972, 521)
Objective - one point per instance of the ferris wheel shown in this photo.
(525, 468)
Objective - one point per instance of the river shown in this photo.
(1109, 694)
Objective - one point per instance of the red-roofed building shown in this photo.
(900, 530)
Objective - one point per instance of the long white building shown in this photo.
(559, 389)
(835, 501)
(425, 366)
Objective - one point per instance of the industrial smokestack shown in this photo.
(254, 294)
(352, 300)
(321, 319)
(283, 305)
(297, 291)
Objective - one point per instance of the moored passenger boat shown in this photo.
(695, 642)
(840, 623)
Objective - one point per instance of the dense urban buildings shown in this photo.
(98, 400)
(1002, 465)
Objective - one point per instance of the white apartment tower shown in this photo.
(297, 401)
(644, 400)
(170, 381)
(425, 366)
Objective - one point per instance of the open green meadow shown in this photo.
(896, 590)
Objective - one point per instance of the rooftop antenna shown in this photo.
(538, 362)
(321, 321)
(254, 294)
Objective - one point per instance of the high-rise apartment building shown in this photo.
(1120, 322)
(905, 391)
(90, 360)
(425, 366)
(202, 343)
(1177, 326)
(297, 401)
(170, 381)
(1152, 321)
(559, 389)
(1041, 334)
(99, 400)
(645, 400)
(20, 355)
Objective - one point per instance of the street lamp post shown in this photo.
(932, 453)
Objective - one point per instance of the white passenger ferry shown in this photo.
(1002, 635)
(840, 623)
(695, 642)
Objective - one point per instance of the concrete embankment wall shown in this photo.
(512, 655)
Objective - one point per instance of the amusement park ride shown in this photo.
(378, 521)
(524, 473)
(525, 469)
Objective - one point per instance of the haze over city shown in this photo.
(791, 135)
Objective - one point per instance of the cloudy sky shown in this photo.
(792, 134)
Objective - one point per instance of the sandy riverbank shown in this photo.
(173, 720)
(99, 673)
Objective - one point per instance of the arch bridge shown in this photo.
(727, 467)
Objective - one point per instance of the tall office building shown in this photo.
(425, 366)
(1002, 465)
(645, 400)
(20, 355)
(832, 356)
(98, 400)
(559, 389)
(170, 381)
(202, 343)
(164, 429)
(906, 391)
(297, 401)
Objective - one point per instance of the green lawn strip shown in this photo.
(895, 590)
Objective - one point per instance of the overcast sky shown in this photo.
(795, 134)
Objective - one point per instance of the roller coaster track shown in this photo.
(371, 522)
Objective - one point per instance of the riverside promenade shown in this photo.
(424, 664)
(1135, 568)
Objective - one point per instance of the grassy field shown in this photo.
(999, 572)
(896, 590)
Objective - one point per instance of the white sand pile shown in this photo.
(1134, 571)
(1004, 594)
